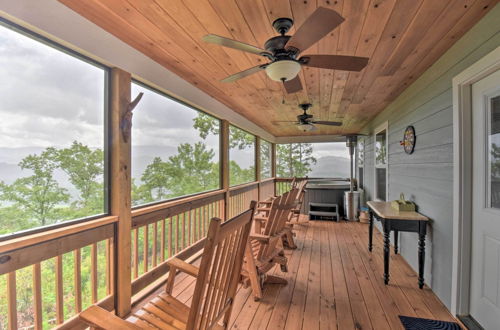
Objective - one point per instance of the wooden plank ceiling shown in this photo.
(402, 38)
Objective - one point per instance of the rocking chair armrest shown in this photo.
(263, 209)
(178, 264)
(268, 201)
(260, 218)
(260, 237)
(98, 317)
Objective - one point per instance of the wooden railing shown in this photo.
(172, 228)
(266, 189)
(240, 197)
(46, 279)
(41, 282)
(283, 185)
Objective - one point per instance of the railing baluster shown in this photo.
(198, 224)
(145, 248)
(155, 243)
(109, 278)
(136, 252)
(190, 229)
(170, 237)
(162, 241)
(59, 290)
(183, 230)
(93, 272)
(204, 220)
(77, 257)
(177, 238)
(37, 295)
(12, 300)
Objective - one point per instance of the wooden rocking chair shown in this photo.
(288, 234)
(265, 248)
(299, 201)
(216, 284)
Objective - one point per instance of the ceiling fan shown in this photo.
(283, 50)
(305, 121)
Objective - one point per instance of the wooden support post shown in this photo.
(273, 165)
(120, 204)
(11, 301)
(224, 168)
(257, 165)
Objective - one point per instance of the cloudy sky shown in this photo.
(50, 98)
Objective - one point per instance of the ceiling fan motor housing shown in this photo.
(282, 25)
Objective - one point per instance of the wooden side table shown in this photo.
(398, 221)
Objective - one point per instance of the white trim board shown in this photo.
(462, 177)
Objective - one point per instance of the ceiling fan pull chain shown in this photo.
(283, 92)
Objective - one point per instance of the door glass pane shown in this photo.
(380, 149)
(381, 183)
(494, 152)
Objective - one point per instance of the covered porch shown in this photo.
(99, 193)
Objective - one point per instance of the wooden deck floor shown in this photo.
(333, 283)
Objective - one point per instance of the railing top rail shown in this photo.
(177, 202)
(29, 240)
(309, 178)
(267, 180)
(243, 186)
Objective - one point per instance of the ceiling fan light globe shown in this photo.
(305, 127)
(283, 70)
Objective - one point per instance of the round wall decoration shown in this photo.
(409, 138)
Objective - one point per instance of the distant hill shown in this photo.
(331, 166)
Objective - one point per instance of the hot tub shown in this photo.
(328, 191)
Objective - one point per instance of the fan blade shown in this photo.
(330, 123)
(226, 42)
(243, 74)
(335, 62)
(293, 86)
(316, 26)
(283, 122)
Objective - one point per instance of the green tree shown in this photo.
(238, 175)
(190, 171)
(294, 159)
(38, 194)
(206, 125)
(265, 159)
(157, 179)
(85, 167)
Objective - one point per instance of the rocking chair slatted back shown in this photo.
(278, 216)
(220, 271)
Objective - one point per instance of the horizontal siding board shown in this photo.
(435, 121)
(402, 118)
(421, 186)
(433, 154)
(436, 171)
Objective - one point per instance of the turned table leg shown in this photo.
(387, 242)
(421, 260)
(370, 231)
(396, 237)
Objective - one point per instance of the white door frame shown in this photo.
(462, 177)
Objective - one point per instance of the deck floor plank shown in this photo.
(296, 311)
(333, 283)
